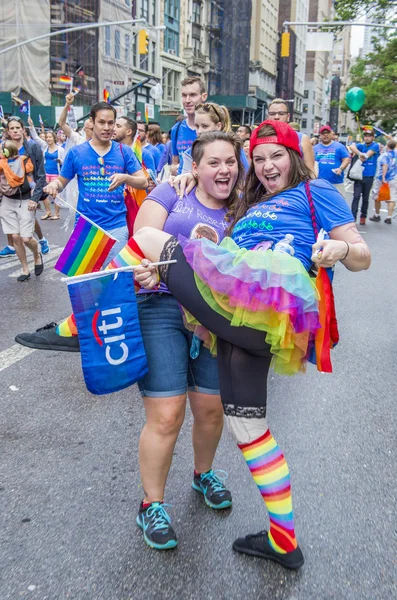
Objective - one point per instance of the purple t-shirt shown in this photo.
(188, 217)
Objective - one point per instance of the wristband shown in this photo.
(347, 251)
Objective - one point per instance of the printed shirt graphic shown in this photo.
(106, 209)
(369, 164)
(389, 159)
(328, 158)
(182, 137)
(289, 212)
(188, 217)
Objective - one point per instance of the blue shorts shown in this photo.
(167, 343)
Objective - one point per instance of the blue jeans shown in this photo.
(167, 343)
(121, 234)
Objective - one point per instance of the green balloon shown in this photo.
(355, 99)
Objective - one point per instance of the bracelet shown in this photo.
(348, 250)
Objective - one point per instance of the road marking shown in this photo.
(47, 263)
(13, 261)
(12, 355)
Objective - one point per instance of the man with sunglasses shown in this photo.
(183, 134)
(368, 153)
(278, 111)
(15, 131)
(102, 167)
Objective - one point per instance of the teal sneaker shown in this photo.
(155, 523)
(7, 251)
(213, 489)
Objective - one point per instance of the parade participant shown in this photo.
(165, 136)
(278, 111)
(244, 132)
(54, 155)
(246, 148)
(15, 132)
(184, 133)
(243, 296)
(155, 138)
(168, 344)
(387, 174)
(332, 158)
(368, 153)
(73, 138)
(151, 156)
(209, 117)
(17, 208)
(61, 138)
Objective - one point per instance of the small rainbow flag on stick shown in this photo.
(106, 95)
(147, 114)
(137, 147)
(65, 80)
(86, 250)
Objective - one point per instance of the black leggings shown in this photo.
(243, 354)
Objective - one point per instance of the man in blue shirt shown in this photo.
(387, 173)
(102, 168)
(183, 134)
(368, 153)
(332, 158)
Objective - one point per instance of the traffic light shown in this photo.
(143, 42)
(285, 42)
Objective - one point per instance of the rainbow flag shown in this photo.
(65, 79)
(147, 114)
(86, 250)
(106, 95)
(137, 148)
(328, 335)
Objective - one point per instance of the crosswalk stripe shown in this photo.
(13, 261)
(47, 263)
(14, 354)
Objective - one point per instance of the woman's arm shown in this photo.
(346, 245)
(35, 135)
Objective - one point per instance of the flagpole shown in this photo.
(62, 201)
(77, 278)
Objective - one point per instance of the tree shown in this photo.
(350, 10)
(376, 74)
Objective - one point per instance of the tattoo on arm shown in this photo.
(357, 237)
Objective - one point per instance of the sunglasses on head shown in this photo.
(207, 106)
(12, 118)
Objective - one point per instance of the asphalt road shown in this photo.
(69, 477)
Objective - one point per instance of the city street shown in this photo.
(70, 486)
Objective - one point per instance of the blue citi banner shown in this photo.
(112, 352)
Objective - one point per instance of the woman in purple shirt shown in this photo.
(178, 362)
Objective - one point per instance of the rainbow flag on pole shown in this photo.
(147, 114)
(86, 250)
(137, 147)
(65, 80)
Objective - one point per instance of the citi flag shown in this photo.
(112, 352)
(86, 250)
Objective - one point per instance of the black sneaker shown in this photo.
(388, 221)
(46, 338)
(375, 218)
(258, 544)
(213, 489)
(156, 525)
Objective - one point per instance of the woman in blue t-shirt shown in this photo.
(178, 363)
(53, 159)
(262, 304)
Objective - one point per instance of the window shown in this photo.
(145, 10)
(107, 40)
(171, 42)
(117, 44)
(128, 2)
(171, 9)
(196, 12)
(154, 10)
(134, 50)
(304, 123)
(127, 49)
(306, 94)
(153, 66)
(171, 85)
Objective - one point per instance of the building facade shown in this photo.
(340, 121)
(263, 54)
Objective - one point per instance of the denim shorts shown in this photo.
(167, 343)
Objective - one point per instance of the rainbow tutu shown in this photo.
(265, 290)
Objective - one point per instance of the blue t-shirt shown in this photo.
(328, 158)
(388, 158)
(289, 212)
(50, 162)
(369, 164)
(106, 209)
(182, 137)
(156, 154)
(148, 159)
(160, 148)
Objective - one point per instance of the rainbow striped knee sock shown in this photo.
(270, 472)
(130, 255)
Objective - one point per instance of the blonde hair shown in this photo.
(217, 114)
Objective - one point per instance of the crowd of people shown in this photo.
(242, 215)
